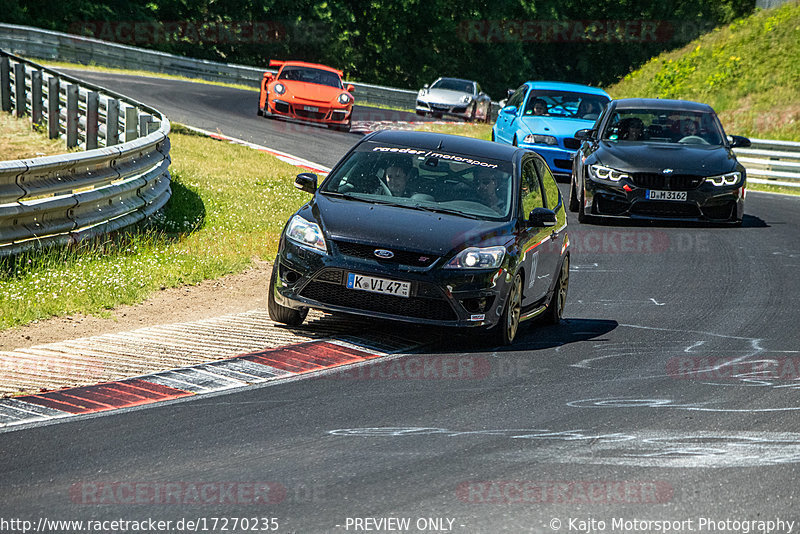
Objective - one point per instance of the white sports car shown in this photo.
(454, 97)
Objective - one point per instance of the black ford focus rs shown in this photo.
(658, 159)
(427, 228)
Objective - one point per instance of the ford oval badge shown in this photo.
(383, 253)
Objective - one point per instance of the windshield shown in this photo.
(664, 126)
(450, 84)
(309, 75)
(425, 179)
(565, 104)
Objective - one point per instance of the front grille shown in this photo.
(318, 115)
(442, 107)
(282, 107)
(571, 143)
(338, 115)
(563, 163)
(678, 182)
(665, 209)
(416, 307)
(402, 257)
(329, 275)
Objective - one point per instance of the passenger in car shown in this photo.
(486, 182)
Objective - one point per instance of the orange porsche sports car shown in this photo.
(308, 92)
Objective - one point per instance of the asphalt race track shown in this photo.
(603, 421)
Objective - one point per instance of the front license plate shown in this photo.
(310, 108)
(652, 194)
(378, 285)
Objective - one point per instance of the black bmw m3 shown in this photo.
(658, 159)
(427, 228)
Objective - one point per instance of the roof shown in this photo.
(565, 86)
(281, 64)
(456, 79)
(660, 103)
(448, 143)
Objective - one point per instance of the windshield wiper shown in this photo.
(443, 210)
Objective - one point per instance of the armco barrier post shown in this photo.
(72, 115)
(92, 119)
(36, 97)
(5, 84)
(144, 120)
(53, 107)
(112, 122)
(19, 90)
(130, 123)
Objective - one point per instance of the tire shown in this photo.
(506, 330)
(514, 142)
(473, 113)
(282, 314)
(494, 139)
(557, 302)
(260, 112)
(437, 115)
(573, 197)
(421, 113)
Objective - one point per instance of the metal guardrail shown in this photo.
(121, 178)
(771, 162)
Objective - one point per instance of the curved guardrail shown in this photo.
(121, 178)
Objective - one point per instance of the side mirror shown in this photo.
(425, 86)
(306, 181)
(737, 141)
(350, 88)
(542, 217)
(510, 110)
(586, 133)
(511, 92)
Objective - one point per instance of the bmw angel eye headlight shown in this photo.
(537, 139)
(306, 234)
(279, 88)
(478, 258)
(605, 173)
(344, 98)
(732, 178)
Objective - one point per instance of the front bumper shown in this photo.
(309, 111)
(445, 297)
(458, 110)
(706, 202)
(558, 159)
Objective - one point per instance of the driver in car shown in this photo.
(396, 177)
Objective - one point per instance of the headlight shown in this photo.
(466, 99)
(279, 88)
(306, 234)
(540, 139)
(423, 92)
(605, 173)
(478, 258)
(344, 98)
(732, 178)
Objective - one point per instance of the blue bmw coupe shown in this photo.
(544, 116)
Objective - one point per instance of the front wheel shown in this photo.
(282, 314)
(506, 329)
(555, 307)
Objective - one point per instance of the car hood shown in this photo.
(557, 126)
(443, 96)
(681, 158)
(311, 91)
(402, 228)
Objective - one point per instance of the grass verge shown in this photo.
(20, 141)
(229, 204)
